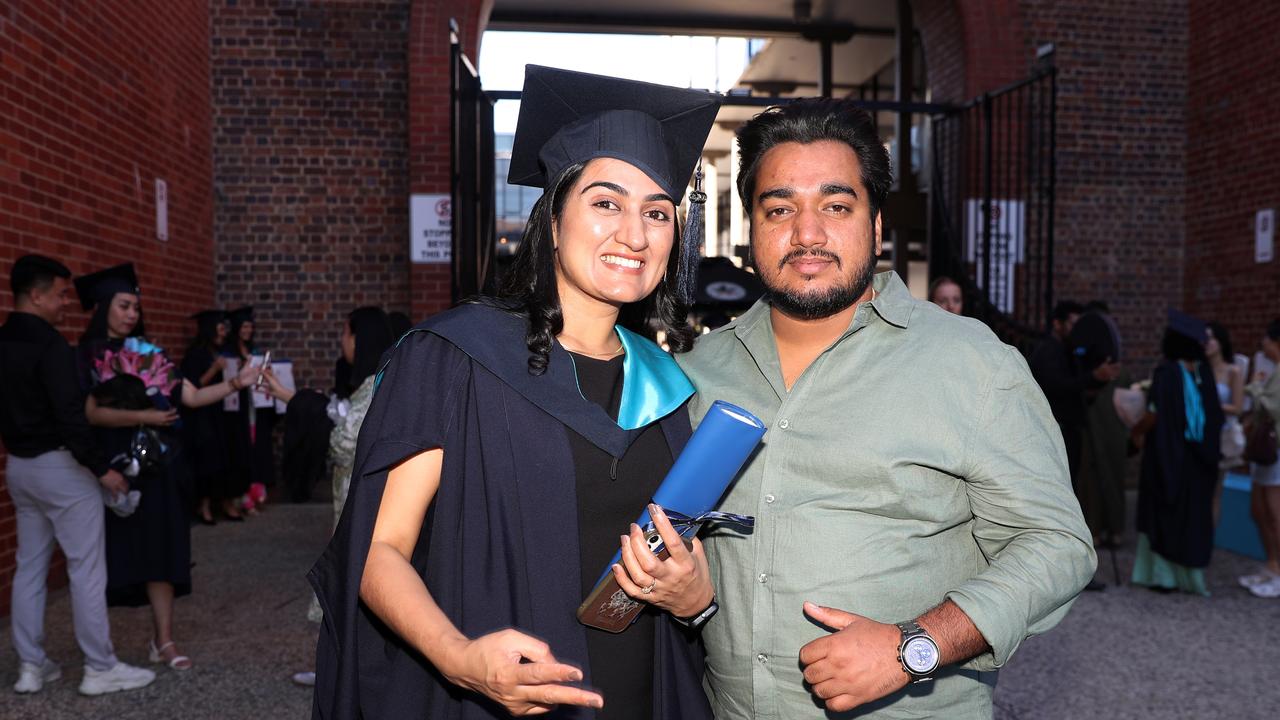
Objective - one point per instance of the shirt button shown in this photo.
(784, 423)
(762, 658)
(769, 498)
(764, 577)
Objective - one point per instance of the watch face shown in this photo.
(920, 655)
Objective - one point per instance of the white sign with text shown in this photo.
(431, 228)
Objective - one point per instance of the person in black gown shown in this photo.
(134, 394)
(204, 431)
(249, 429)
(512, 440)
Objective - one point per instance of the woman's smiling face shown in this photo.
(614, 235)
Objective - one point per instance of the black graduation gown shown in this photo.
(204, 432)
(1175, 490)
(499, 545)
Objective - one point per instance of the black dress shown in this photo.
(611, 496)
(154, 543)
(251, 450)
(204, 433)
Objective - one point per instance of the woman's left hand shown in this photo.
(681, 584)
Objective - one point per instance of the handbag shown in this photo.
(1232, 442)
(1260, 443)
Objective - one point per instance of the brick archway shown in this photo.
(971, 46)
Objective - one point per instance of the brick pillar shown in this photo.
(429, 125)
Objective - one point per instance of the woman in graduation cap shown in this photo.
(1180, 437)
(134, 396)
(205, 430)
(511, 441)
(249, 429)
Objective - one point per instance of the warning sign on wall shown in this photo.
(430, 228)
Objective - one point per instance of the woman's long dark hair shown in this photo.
(530, 285)
(206, 333)
(1224, 341)
(96, 331)
(231, 346)
(373, 336)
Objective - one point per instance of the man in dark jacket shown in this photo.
(56, 475)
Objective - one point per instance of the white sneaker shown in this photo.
(1262, 577)
(306, 679)
(32, 677)
(1267, 589)
(120, 677)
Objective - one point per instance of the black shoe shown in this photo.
(1095, 586)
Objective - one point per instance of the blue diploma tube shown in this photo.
(711, 460)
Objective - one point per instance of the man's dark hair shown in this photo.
(1065, 309)
(810, 120)
(31, 272)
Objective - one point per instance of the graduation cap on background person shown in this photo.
(101, 286)
(241, 315)
(1188, 326)
(569, 117)
(210, 316)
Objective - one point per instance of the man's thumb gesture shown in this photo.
(830, 617)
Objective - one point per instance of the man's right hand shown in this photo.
(1107, 371)
(519, 673)
(114, 482)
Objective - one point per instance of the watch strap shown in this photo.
(697, 621)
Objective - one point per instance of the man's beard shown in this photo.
(815, 305)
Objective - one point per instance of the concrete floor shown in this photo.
(1123, 653)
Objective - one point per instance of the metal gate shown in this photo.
(992, 200)
(471, 160)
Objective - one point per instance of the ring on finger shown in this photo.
(649, 589)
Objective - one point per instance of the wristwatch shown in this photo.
(697, 621)
(918, 653)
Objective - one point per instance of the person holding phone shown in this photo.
(134, 393)
(511, 441)
(249, 429)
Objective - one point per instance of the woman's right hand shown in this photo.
(159, 418)
(518, 672)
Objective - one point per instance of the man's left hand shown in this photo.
(854, 665)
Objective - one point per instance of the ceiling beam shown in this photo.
(651, 24)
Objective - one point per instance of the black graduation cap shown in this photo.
(103, 285)
(569, 117)
(211, 317)
(1189, 326)
(241, 315)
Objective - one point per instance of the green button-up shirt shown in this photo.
(915, 460)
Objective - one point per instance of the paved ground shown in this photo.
(244, 625)
(1123, 653)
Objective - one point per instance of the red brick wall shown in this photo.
(97, 100)
(1122, 99)
(310, 167)
(1233, 163)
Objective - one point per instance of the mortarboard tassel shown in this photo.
(691, 250)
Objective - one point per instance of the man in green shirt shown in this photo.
(915, 518)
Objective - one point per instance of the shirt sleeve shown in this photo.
(58, 372)
(1027, 520)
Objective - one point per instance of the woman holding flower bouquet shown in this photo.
(134, 395)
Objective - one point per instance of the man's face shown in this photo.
(813, 240)
(51, 302)
(1062, 328)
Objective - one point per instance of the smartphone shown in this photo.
(266, 363)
